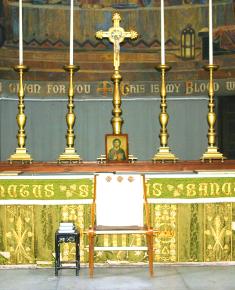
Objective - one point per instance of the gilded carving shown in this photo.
(165, 244)
(218, 234)
(20, 234)
(194, 234)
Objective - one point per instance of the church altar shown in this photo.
(191, 206)
(191, 203)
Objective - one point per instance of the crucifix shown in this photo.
(116, 35)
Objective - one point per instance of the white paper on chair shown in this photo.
(119, 200)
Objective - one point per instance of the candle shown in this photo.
(20, 34)
(210, 34)
(162, 34)
(71, 34)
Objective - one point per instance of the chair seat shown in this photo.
(102, 230)
(113, 248)
(118, 227)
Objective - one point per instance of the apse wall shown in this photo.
(46, 126)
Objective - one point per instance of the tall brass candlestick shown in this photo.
(21, 152)
(212, 152)
(70, 154)
(163, 153)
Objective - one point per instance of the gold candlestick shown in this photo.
(212, 152)
(21, 152)
(163, 153)
(70, 154)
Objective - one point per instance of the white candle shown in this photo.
(210, 34)
(20, 34)
(71, 34)
(162, 34)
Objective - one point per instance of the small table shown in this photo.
(67, 238)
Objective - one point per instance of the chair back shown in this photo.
(119, 200)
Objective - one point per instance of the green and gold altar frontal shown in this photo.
(192, 215)
(78, 189)
(47, 189)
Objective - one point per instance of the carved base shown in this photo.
(69, 156)
(20, 155)
(212, 154)
(164, 154)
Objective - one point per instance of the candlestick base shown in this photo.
(164, 154)
(69, 156)
(20, 155)
(211, 154)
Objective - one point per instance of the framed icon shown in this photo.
(116, 147)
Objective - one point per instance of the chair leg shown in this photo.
(91, 253)
(149, 236)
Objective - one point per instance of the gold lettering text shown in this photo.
(155, 88)
(49, 190)
(147, 186)
(2, 190)
(37, 190)
(230, 85)
(214, 189)
(226, 188)
(24, 192)
(12, 190)
(177, 87)
(189, 88)
(83, 89)
(157, 189)
(84, 190)
(203, 189)
(191, 189)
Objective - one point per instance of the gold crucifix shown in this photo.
(116, 35)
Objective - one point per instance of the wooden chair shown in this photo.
(118, 207)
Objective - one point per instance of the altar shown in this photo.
(191, 202)
(191, 206)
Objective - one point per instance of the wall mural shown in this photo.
(186, 25)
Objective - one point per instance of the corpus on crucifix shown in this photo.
(116, 35)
